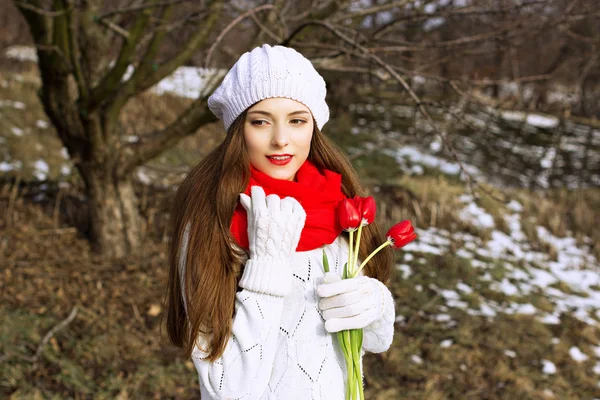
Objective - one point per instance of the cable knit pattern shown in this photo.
(279, 348)
(274, 224)
(266, 72)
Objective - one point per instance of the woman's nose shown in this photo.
(280, 137)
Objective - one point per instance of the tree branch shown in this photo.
(148, 73)
(372, 10)
(54, 59)
(150, 146)
(230, 26)
(411, 47)
(115, 28)
(264, 29)
(152, 50)
(453, 13)
(323, 11)
(37, 9)
(75, 52)
(37, 21)
(112, 79)
(61, 38)
(140, 8)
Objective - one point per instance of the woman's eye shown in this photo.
(258, 122)
(298, 121)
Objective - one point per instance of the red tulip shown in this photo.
(348, 215)
(356, 201)
(401, 234)
(368, 209)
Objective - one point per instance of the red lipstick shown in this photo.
(280, 159)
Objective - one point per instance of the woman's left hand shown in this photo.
(350, 303)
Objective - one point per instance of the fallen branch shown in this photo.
(52, 332)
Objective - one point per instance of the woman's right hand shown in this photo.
(274, 224)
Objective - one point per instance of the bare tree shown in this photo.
(83, 97)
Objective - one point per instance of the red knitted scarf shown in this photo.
(319, 195)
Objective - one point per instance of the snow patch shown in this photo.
(41, 169)
(21, 53)
(510, 353)
(189, 82)
(548, 367)
(476, 216)
(17, 131)
(577, 355)
(40, 123)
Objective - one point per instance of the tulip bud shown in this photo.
(368, 210)
(348, 215)
(401, 234)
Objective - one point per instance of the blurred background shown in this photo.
(478, 120)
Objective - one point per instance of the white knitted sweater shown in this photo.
(279, 348)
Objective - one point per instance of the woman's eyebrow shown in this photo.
(270, 115)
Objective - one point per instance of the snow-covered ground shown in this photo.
(571, 282)
(413, 159)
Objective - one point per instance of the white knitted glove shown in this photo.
(274, 228)
(274, 225)
(349, 303)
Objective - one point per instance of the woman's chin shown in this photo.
(283, 176)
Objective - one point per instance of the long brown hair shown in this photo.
(205, 202)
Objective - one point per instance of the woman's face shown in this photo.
(277, 132)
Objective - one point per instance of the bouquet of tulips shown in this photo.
(353, 214)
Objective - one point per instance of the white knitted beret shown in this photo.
(266, 72)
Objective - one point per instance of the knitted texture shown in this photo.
(274, 224)
(279, 348)
(267, 72)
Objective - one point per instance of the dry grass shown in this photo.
(427, 201)
(563, 212)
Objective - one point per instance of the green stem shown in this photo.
(345, 350)
(356, 251)
(355, 345)
(325, 262)
(350, 266)
(371, 256)
(349, 365)
(359, 348)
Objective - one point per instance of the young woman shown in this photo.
(248, 299)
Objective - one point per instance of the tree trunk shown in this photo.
(114, 220)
